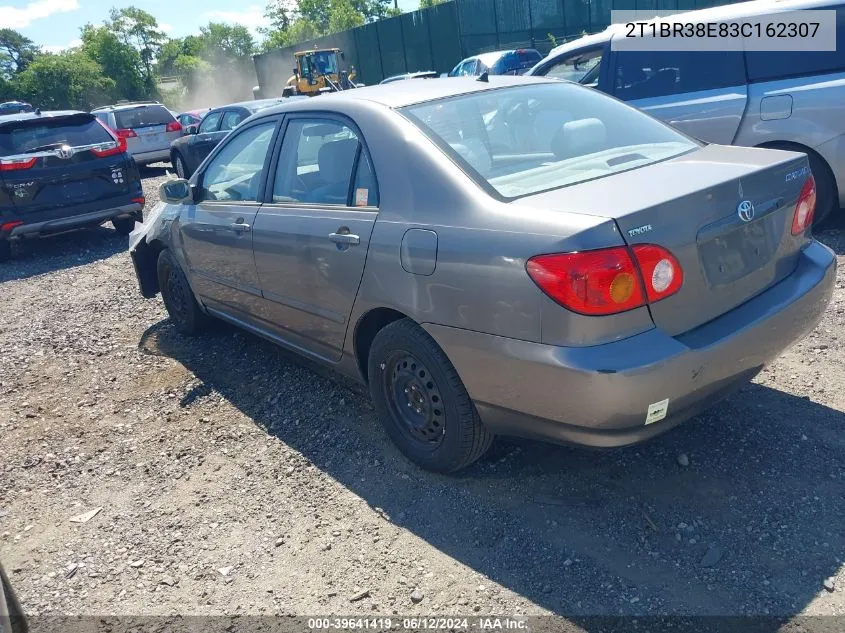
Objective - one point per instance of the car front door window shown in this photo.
(209, 123)
(580, 67)
(234, 174)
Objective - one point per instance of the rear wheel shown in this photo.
(421, 400)
(182, 307)
(123, 226)
(827, 196)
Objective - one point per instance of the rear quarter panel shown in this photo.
(803, 110)
(479, 281)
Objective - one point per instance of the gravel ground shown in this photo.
(232, 478)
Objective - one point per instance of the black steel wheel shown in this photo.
(421, 401)
(179, 300)
(414, 400)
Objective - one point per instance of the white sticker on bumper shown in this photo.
(657, 411)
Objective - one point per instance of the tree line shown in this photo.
(126, 55)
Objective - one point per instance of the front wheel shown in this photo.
(421, 400)
(180, 167)
(182, 307)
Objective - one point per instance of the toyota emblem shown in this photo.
(745, 211)
(65, 151)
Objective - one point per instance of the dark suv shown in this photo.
(64, 170)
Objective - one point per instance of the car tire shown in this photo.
(5, 250)
(827, 198)
(123, 226)
(182, 307)
(180, 166)
(421, 401)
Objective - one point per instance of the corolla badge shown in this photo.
(745, 211)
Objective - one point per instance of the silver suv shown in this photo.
(785, 100)
(147, 126)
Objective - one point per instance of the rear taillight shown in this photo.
(608, 280)
(125, 133)
(110, 149)
(590, 282)
(662, 274)
(140, 200)
(8, 226)
(805, 208)
(15, 164)
(174, 126)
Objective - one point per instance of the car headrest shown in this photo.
(335, 160)
(579, 137)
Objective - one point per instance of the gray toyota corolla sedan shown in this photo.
(514, 256)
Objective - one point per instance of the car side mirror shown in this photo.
(192, 129)
(176, 191)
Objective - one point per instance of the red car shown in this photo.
(191, 117)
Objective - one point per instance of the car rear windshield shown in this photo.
(520, 140)
(142, 116)
(33, 135)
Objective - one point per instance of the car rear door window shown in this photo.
(365, 193)
(143, 116)
(316, 164)
(35, 135)
(231, 119)
(234, 174)
(645, 74)
(210, 122)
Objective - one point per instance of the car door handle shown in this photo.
(240, 227)
(345, 238)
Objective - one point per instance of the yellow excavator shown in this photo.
(318, 71)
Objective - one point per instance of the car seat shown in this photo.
(335, 160)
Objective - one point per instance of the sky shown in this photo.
(55, 24)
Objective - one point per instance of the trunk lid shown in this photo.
(68, 166)
(690, 205)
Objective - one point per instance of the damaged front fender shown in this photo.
(147, 241)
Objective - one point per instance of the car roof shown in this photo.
(128, 106)
(252, 106)
(398, 94)
(26, 116)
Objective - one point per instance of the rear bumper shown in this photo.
(68, 222)
(600, 395)
(160, 155)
